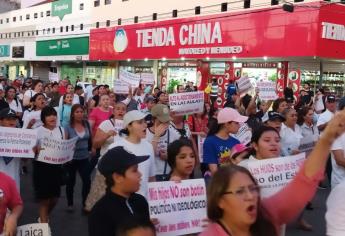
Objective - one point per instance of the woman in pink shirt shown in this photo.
(100, 113)
(234, 204)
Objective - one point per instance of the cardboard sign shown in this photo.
(147, 78)
(17, 142)
(244, 134)
(201, 141)
(120, 87)
(57, 151)
(267, 90)
(180, 207)
(275, 173)
(243, 85)
(130, 78)
(33, 229)
(187, 103)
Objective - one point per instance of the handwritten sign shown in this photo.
(244, 134)
(33, 229)
(187, 103)
(267, 90)
(57, 151)
(130, 78)
(275, 173)
(243, 85)
(180, 207)
(147, 78)
(17, 142)
(53, 77)
(120, 87)
(201, 141)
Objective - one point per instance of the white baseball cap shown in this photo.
(131, 116)
(335, 215)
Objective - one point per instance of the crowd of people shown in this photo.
(125, 141)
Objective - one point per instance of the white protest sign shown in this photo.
(17, 142)
(180, 207)
(244, 134)
(201, 141)
(33, 230)
(275, 173)
(307, 144)
(243, 85)
(53, 77)
(57, 151)
(267, 90)
(187, 103)
(130, 78)
(147, 78)
(120, 87)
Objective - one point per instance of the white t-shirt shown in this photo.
(319, 106)
(89, 92)
(74, 101)
(107, 126)
(29, 93)
(324, 117)
(16, 106)
(290, 139)
(338, 172)
(29, 115)
(146, 168)
(163, 145)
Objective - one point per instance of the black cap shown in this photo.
(341, 103)
(118, 160)
(330, 98)
(7, 113)
(272, 115)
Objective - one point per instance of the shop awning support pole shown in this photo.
(321, 74)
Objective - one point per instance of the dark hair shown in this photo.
(276, 104)
(135, 223)
(257, 133)
(47, 111)
(35, 82)
(216, 189)
(109, 181)
(77, 87)
(302, 112)
(246, 100)
(174, 149)
(213, 126)
(33, 99)
(8, 89)
(73, 109)
(286, 111)
(64, 97)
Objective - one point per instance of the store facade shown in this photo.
(229, 45)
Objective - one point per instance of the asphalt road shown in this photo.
(63, 223)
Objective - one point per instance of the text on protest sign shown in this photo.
(244, 134)
(33, 230)
(307, 144)
(201, 141)
(57, 151)
(243, 85)
(187, 103)
(180, 207)
(267, 90)
(17, 142)
(275, 173)
(147, 78)
(120, 87)
(53, 77)
(130, 78)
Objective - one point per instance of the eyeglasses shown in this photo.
(241, 192)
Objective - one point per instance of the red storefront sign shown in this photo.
(272, 32)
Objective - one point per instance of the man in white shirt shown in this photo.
(89, 89)
(326, 116)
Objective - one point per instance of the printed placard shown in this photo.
(33, 229)
(307, 144)
(120, 87)
(57, 151)
(147, 78)
(244, 134)
(275, 173)
(187, 103)
(179, 207)
(267, 90)
(17, 142)
(201, 141)
(130, 78)
(243, 85)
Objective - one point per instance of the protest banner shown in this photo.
(243, 85)
(53, 77)
(17, 142)
(33, 230)
(307, 144)
(130, 78)
(244, 134)
(275, 173)
(267, 90)
(187, 103)
(201, 141)
(120, 87)
(57, 151)
(147, 78)
(180, 207)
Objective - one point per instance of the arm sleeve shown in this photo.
(285, 205)
(338, 144)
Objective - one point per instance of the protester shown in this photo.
(54, 95)
(279, 105)
(319, 101)
(335, 220)
(13, 101)
(274, 120)
(162, 98)
(136, 227)
(78, 127)
(306, 122)
(11, 205)
(288, 92)
(290, 133)
(65, 109)
(234, 204)
(327, 115)
(100, 114)
(120, 203)
(37, 87)
(75, 97)
(32, 117)
(239, 152)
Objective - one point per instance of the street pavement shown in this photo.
(63, 223)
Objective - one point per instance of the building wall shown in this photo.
(6, 5)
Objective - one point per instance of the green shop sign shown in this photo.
(4, 50)
(70, 46)
(61, 8)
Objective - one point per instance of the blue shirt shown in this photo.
(82, 146)
(217, 150)
(65, 114)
